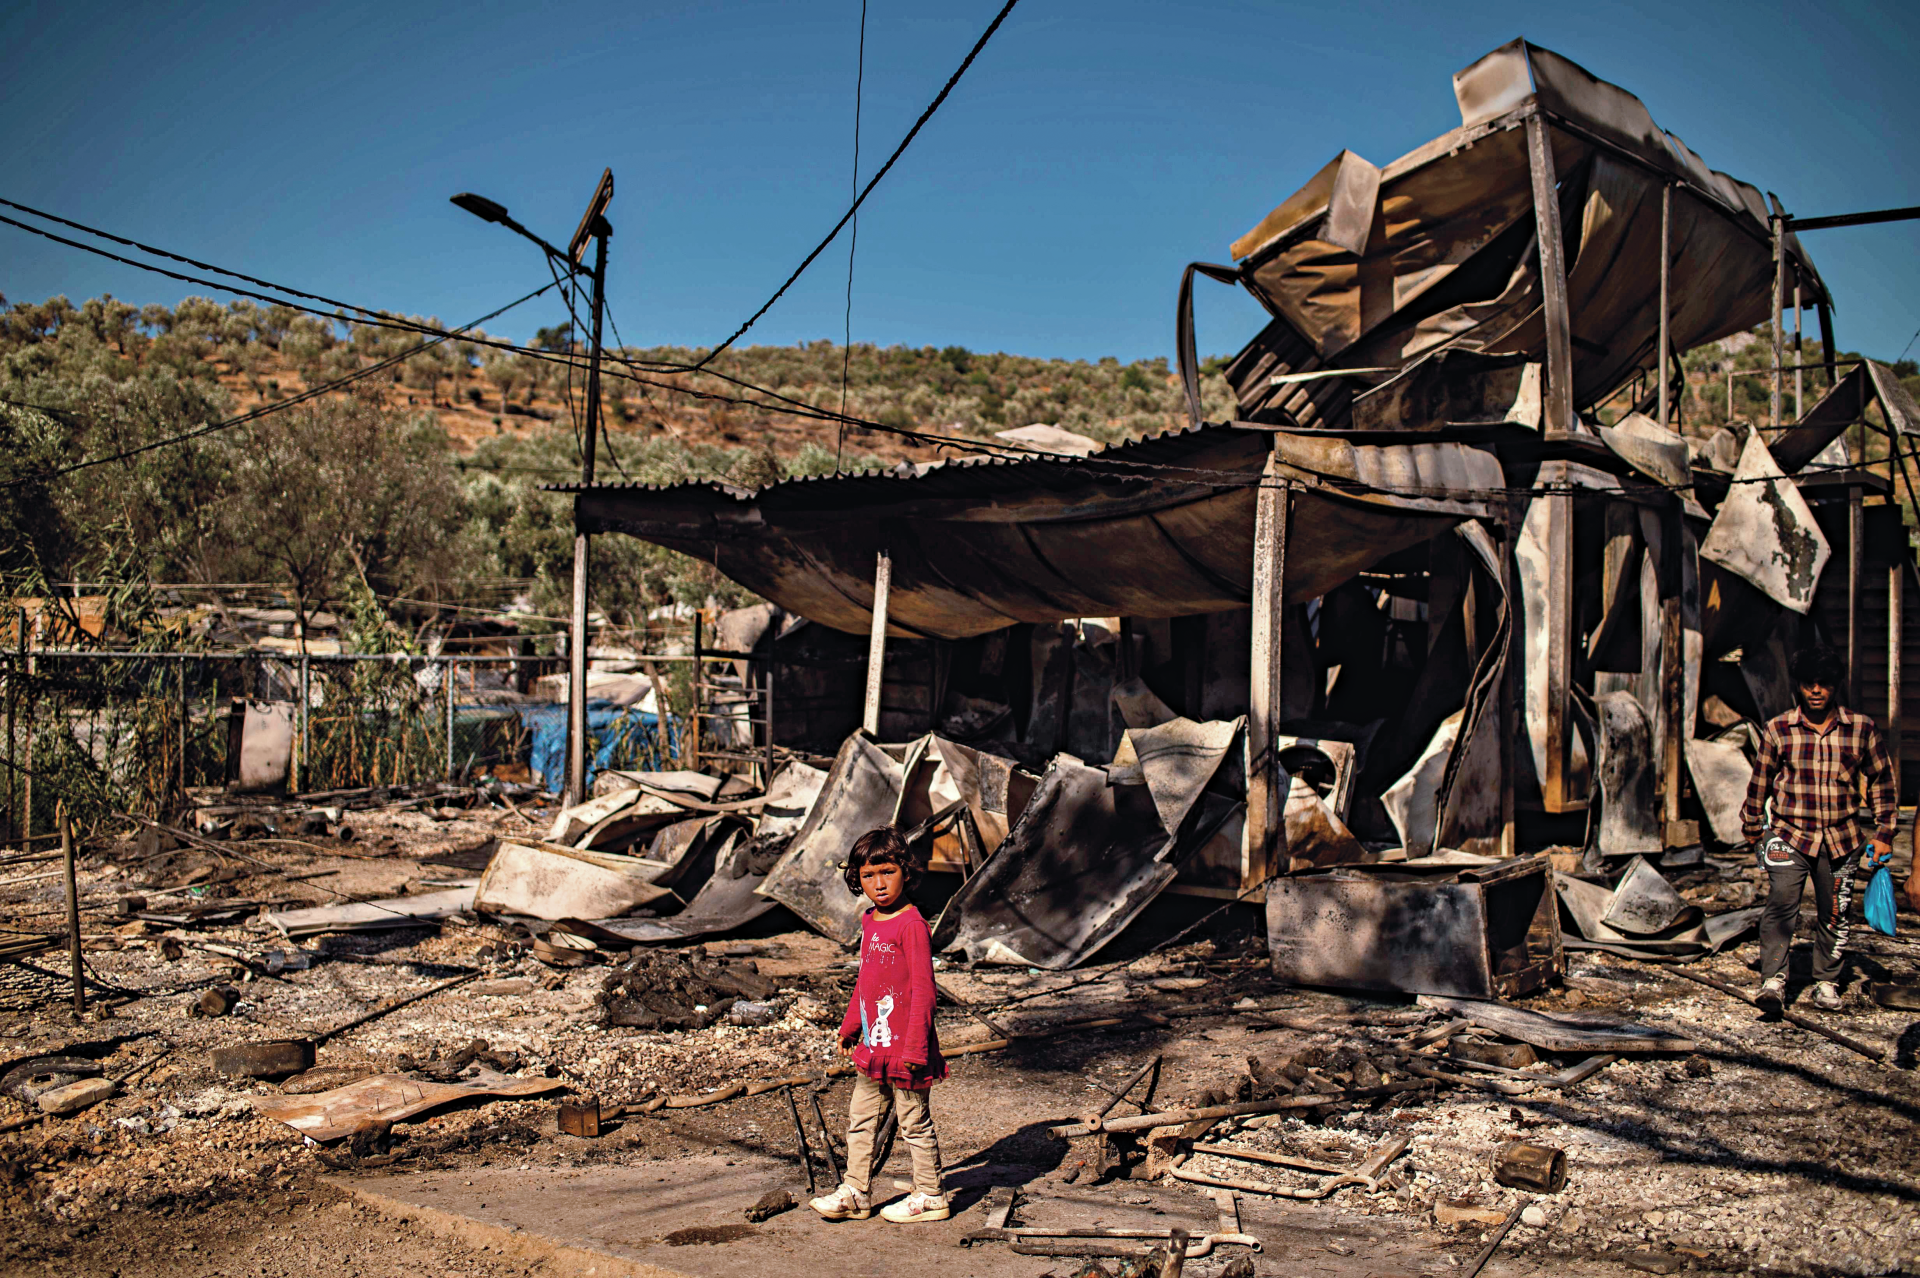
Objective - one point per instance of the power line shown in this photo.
(853, 236)
(177, 257)
(382, 320)
(846, 217)
(265, 409)
(371, 318)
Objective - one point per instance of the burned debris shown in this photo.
(1337, 804)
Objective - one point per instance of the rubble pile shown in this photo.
(663, 989)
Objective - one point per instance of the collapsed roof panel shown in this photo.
(1158, 528)
(1373, 268)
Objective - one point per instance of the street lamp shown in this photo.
(593, 226)
(488, 211)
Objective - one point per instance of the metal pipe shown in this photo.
(447, 673)
(1666, 256)
(576, 786)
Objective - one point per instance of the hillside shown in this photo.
(422, 481)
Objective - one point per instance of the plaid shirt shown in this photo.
(1815, 777)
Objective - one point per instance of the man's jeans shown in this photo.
(1788, 872)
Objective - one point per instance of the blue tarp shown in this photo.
(617, 736)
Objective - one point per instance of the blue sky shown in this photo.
(1092, 151)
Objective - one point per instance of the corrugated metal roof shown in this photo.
(962, 476)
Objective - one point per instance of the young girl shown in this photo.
(889, 1028)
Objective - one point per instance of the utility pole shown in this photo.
(594, 226)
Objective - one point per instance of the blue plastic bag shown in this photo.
(1879, 906)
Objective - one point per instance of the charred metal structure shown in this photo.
(1449, 586)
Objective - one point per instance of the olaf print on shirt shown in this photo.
(881, 1035)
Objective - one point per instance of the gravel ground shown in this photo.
(1772, 1150)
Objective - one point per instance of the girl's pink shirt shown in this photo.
(892, 1005)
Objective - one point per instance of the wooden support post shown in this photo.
(877, 642)
(13, 745)
(1666, 258)
(1895, 633)
(1509, 717)
(186, 727)
(447, 669)
(1553, 279)
(1779, 307)
(1856, 563)
(693, 714)
(1560, 572)
(26, 746)
(1799, 357)
(1673, 674)
(73, 912)
(303, 772)
(1825, 313)
(1263, 846)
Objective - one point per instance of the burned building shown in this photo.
(1449, 586)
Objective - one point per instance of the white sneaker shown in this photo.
(844, 1203)
(916, 1208)
(1773, 991)
(1826, 996)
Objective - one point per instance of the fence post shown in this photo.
(26, 749)
(446, 673)
(13, 744)
(186, 730)
(693, 715)
(73, 911)
(306, 736)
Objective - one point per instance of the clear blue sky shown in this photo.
(1092, 151)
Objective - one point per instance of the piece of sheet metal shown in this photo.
(418, 910)
(1587, 904)
(1562, 1034)
(860, 793)
(387, 1098)
(1477, 933)
(547, 882)
(1629, 820)
(1080, 864)
(1721, 772)
(1644, 903)
(1455, 265)
(1765, 532)
(1469, 809)
(730, 898)
(1174, 761)
(1413, 801)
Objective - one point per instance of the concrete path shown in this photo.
(646, 1219)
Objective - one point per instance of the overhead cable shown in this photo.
(853, 236)
(846, 217)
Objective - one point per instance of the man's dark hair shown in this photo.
(1819, 664)
(884, 846)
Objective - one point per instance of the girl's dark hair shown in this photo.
(884, 846)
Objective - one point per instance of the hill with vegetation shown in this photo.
(422, 482)
(126, 455)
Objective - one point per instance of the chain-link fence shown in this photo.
(136, 731)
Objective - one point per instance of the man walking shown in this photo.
(1814, 762)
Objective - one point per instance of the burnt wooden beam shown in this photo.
(1553, 279)
(1263, 845)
